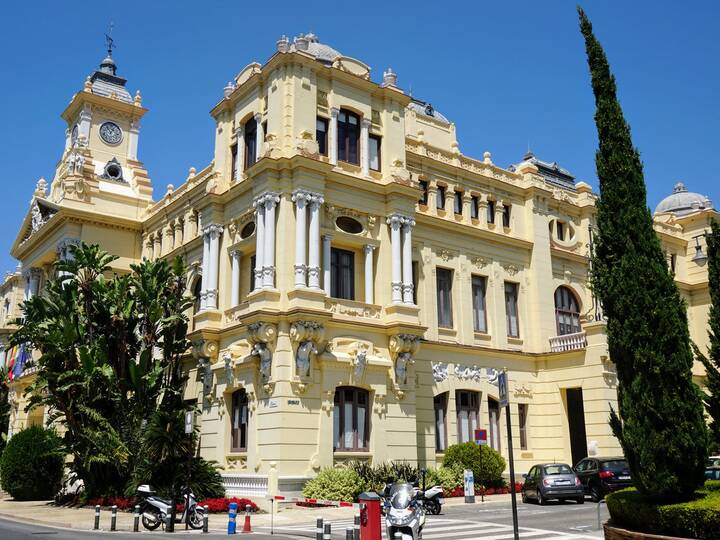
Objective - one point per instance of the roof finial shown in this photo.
(109, 40)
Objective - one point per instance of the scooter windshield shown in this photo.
(401, 495)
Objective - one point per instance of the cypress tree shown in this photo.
(712, 363)
(660, 424)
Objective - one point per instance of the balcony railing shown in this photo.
(568, 342)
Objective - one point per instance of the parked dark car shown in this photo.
(600, 476)
(552, 481)
(712, 468)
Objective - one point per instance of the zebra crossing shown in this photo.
(445, 529)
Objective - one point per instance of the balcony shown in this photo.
(568, 342)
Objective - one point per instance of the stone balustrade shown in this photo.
(568, 342)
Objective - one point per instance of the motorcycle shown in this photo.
(154, 510)
(432, 499)
(404, 512)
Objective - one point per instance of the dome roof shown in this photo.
(310, 44)
(683, 201)
(425, 109)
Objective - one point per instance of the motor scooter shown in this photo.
(154, 510)
(404, 512)
(432, 499)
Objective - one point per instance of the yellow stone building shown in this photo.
(359, 281)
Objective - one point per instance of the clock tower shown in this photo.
(100, 161)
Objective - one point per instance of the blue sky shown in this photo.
(510, 74)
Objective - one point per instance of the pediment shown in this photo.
(353, 66)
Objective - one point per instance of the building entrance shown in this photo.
(576, 424)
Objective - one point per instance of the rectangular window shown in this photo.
(342, 274)
(561, 231)
(440, 201)
(523, 418)
(467, 405)
(321, 135)
(491, 211)
(506, 214)
(250, 138)
(252, 273)
(440, 405)
(458, 202)
(424, 187)
(351, 419)
(673, 262)
(478, 303)
(444, 297)
(415, 281)
(494, 417)
(348, 136)
(233, 161)
(475, 207)
(239, 419)
(374, 152)
(511, 309)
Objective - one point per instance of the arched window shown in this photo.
(196, 295)
(351, 419)
(567, 311)
(239, 422)
(348, 136)
(250, 142)
(440, 406)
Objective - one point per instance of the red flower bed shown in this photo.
(123, 503)
(214, 505)
(460, 491)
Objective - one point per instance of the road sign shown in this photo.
(189, 422)
(481, 436)
(503, 388)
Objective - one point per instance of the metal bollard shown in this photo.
(169, 525)
(349, 533)
(327, 534)
(598, 515)
(206, 518)
(97, 517)
(232, 517)
(319, 529)
(357, 527)
(136, 518)
(246, 526)
(113, 517)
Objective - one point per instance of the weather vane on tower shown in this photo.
(109, 40)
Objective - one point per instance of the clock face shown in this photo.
(111, 133)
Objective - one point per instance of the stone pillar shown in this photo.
(259, 204)
(33, 282)
(178, 226)
(332, 135)
(369, 293)
(271, 201)
(240, 153)
(84, 123)
(407, 287)
(449, 200)
(395, 222)
(157, 253)
(213, 232)
(205, 272)
(499, 209)
(327, 256)
(316, 202)
(467, 206)
(482, 212)
(235, 277)
(300, 198)
(365, 146)
(259, 137)
(169, 238)
(432, 198)
(133, 136)
(190, 231)
(148, 251)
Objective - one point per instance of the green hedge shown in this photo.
(697, 518)
(486, 464)
(31, 466)
(335, 485)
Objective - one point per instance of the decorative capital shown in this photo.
(213, 230)
(334, 111)
(301, 331)
(266, 199)
(400, 219)
(262, 332)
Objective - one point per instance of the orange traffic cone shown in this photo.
(246, 526)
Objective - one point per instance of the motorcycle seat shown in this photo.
(164, 501)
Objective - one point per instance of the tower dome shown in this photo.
(683, 201)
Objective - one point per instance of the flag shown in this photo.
(11, 361)
(23, 355)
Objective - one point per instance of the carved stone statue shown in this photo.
(302, 360)
(261, 350)
(308, 335)
(401, 364)
(360, 362)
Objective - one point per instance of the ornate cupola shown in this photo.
(101, 145)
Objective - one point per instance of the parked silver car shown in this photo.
(552, 481)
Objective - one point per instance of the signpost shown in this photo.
(189, 428)
(504, 402)
(469, 486)
(481, 439)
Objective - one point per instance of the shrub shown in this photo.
(486, 464)
(375, 477)
(335, 485)
(697, 518)
(31, 467)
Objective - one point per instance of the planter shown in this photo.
(616, 533)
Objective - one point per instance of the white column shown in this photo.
(395, 222)
(259, 137)
(259, 204)
(239, 152)
(33, 283)
(212, 293)
(235, 276)
(316, 202)
(269, 251)
(369, 294)
(327, 254)
(407, 287)
(301, 198)
(332, 135)
(365, 146)
(205, 271)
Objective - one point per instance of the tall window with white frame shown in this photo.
(567, 311)
(374, 149)
(458, 202)
(523, 421)
(440, 198)
(342, 274)
(440, 406)
(321, 135)
(239, 421)
(351, 421)
(478, 303)
(444, 297)
(348, 137)
(507, 209)
(474, 207)
(467, 403)
(494, 417)
(490, 211)
(511, 309)
(250, 139)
